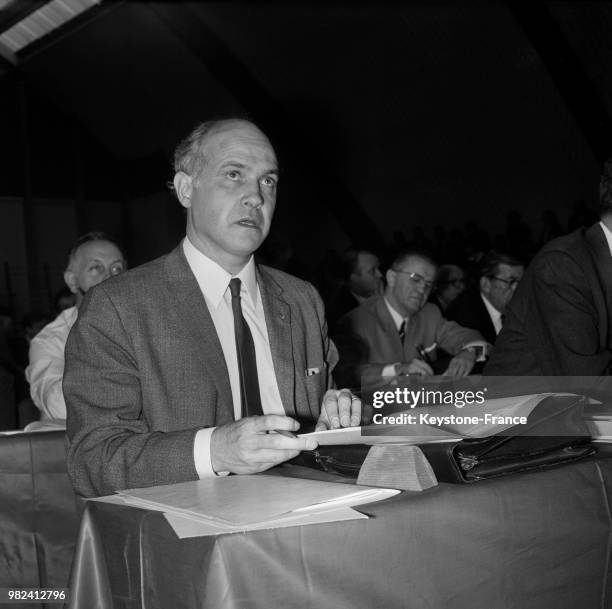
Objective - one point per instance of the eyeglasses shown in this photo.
(511, 283)
(417, 279)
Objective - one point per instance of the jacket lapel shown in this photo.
(278, 322)
(191, 308)
(389, 335)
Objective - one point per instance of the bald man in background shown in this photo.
(93, 258)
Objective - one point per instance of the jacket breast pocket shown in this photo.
(315, 383)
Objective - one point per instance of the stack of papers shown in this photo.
(244, 503)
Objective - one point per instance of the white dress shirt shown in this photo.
(608, 235)
(214, 284)
(46, 368)
(494, 314)
(391, 369)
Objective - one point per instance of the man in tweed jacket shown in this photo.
(151, 379)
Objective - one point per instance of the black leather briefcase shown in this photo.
(555, 433)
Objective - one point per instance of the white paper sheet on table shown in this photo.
(238, 503)
(186, 527)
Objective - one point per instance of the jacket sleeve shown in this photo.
(111, 446)
(452, 337)
(565, 319)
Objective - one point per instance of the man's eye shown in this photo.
(96, 268)
(233, 174)
(116, 269)
(269, 181)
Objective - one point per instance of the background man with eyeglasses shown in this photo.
(400, 332)
(483, 306)
(560, 319)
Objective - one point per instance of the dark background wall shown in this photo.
(386, 117)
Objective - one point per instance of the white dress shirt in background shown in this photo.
(46, 368)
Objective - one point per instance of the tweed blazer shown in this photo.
(145, 371)
(560, 318)
(368, 340)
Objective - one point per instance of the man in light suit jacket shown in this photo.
(400, 332)
(559, 321)
(152, 382)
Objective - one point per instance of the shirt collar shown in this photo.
(607, 235)
(397, 318)
(214, 280)
(493, 312)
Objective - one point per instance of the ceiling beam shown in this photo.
(290, 133)
(67, 29)
(568, 74)
(7, 56)
(16, 11)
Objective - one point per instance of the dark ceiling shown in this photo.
(385, 114)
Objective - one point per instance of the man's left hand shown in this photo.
(340, 408)
(461, 364)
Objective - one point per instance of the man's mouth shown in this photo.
(248, 222)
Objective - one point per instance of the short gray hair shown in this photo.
(188, 156)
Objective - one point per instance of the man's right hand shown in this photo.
(416, 366)
(246, 447)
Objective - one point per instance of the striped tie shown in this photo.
(402, 331)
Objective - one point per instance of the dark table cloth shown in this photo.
(538, 540)
(38, 512)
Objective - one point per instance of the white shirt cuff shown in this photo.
(390, 370)
(201, 454)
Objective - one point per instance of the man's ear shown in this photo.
(485, 285)
(71, 281)
(183, 188)
(390, 276)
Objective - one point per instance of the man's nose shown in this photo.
(253, 198)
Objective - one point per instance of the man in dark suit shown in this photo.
(400, 332)
(482, 307)
(166, 366)
(559, 321)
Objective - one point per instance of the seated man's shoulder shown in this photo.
(575, 245)
(430, 312)
(360, 314)
(289, 284)
(135, 284)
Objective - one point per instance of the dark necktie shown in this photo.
(402, 331)
(250, 399)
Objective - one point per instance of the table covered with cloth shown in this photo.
(533, 540)
(38, 512)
